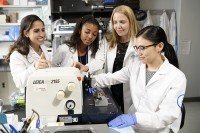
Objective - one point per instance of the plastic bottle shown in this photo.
(17, 99)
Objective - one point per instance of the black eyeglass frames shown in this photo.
(142, 48)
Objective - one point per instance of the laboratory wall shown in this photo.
(7, 86)
(188, 18)
(190, 31)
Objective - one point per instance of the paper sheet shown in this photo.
(185, 46)
(121, 130)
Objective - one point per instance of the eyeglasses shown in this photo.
(142, 48)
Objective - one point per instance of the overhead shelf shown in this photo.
(9, 24)
(18, 6)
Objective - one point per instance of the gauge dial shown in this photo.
(70, 104)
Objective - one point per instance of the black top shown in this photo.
(119, 59)
(117, 90)
(83, 59)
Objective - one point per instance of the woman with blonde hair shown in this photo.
(119, 50)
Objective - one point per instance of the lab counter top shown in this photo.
(94, 128)
(87, 128)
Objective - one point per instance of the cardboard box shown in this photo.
(3, 18)
(4, 2)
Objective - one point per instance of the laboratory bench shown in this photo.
(86, 128)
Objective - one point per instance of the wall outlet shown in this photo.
(3, 84)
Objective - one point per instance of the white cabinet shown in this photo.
(43, 11)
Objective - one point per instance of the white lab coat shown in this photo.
(148, 20)
(172, 30)
(157, 104)
(21, 66)
(164, 23)
(128, 59)
(64, 56)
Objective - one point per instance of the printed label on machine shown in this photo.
(40, 87)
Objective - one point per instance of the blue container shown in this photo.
(41, 2)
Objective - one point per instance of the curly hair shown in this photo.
(75, 39)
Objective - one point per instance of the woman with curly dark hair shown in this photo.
(82, 49)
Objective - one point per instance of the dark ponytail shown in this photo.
(170, 54)
(156, 35)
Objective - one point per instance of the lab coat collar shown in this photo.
(33, 51)
(163, 70)
(75, 55)
(130, 51)
(33, 56)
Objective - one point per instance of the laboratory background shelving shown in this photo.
(43, 11)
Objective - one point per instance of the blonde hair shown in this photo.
(128, 12)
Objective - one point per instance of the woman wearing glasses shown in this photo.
(82, 49)
(157, 85)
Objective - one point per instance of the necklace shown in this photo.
(122, 47)
(83, 59)
(39, 52)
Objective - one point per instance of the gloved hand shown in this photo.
(92, 90)
(123, 120)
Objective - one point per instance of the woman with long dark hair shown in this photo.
(156, 83)
(28, 52)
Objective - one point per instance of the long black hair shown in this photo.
(75, 39)
(156, 35)
(22, 43)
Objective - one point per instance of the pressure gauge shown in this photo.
(70, 104)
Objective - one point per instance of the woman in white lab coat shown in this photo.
(83, 49)
(28, 52)
(157, 85)
(120, 52)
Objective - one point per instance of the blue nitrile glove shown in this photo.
(123, 120)
(92, 90)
